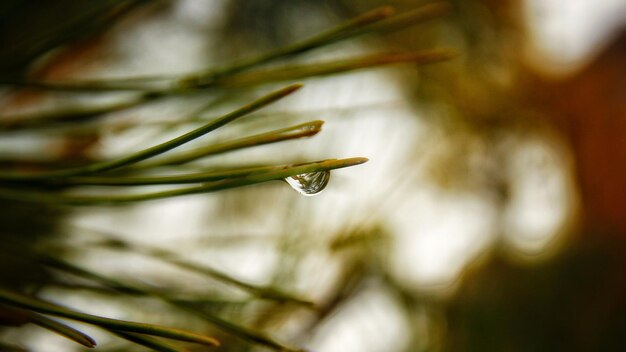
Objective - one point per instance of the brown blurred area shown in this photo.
(589, 109)
(575, 301)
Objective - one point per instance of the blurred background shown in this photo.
(491, 215)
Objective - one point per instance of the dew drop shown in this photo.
(310, 183)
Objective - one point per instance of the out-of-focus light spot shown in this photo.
(565, 33)
(541, 196)
(437, 234)
(372, 322)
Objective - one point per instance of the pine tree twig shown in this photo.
(37, 305)
(335, 67)
(201, 177)
(308, 129)
(276, 173)
(174, 259)
(62, 329)
(126, 125)
(59, 117)
(380, 20)
(416, 16)
(58, 264)
(234, 329)
(149, 342)
(201, 78)
(342, 31)
(157, 149)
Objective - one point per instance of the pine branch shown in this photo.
(37, 305)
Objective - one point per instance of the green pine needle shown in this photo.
(160, 148)
(62, 329)
(244, 177)
(37, 305)
(152, 343)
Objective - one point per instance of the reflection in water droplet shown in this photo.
(310, 183)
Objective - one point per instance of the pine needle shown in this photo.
(62, 329)
(160, 148)
(37, 305)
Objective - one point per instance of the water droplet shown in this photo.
(310, 183)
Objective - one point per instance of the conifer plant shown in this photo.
(36, 194)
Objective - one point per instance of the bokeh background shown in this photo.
(490, 217)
